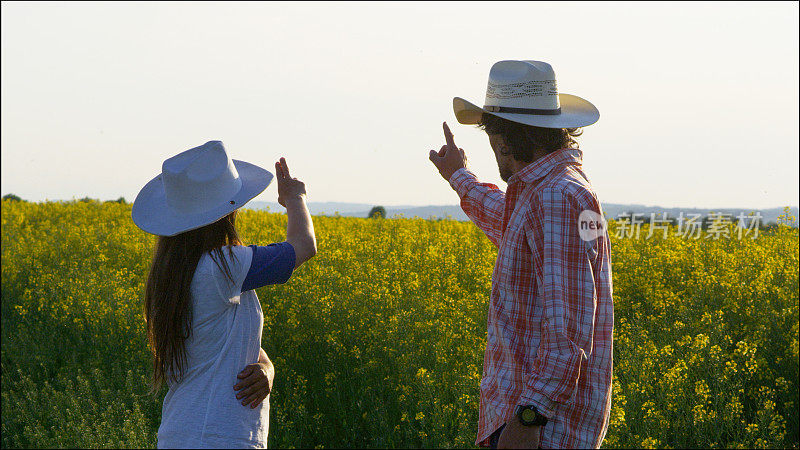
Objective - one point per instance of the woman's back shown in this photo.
(202, 410)
(203, 320)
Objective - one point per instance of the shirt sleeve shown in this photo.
(568, 294)
(271, 264)
(483, 203)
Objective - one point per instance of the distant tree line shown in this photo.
(13, 198)
(87, 199)
(377, 212)
(119, 200)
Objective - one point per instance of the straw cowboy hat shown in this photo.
(195, 188)
(526, 92)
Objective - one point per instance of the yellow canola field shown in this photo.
(378, 341)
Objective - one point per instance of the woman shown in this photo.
(204, 320)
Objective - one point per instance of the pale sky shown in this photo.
(698, 102)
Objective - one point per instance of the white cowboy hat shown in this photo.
(195, 188)
(526, 92)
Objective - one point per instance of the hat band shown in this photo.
(506, 109)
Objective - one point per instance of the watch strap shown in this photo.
(538, 418)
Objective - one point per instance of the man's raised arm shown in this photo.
(483, 203)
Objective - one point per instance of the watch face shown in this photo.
(528, 415)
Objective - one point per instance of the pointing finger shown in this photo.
(278, 171)
(448, 136)
(285, 168)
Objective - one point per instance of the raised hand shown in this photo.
(299, 227)
(288, 188)
(449, 158)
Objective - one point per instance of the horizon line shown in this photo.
(407, 205)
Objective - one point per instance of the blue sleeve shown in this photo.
(272, 264)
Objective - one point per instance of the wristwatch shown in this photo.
(529, 416)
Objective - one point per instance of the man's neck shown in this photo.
(517, 166)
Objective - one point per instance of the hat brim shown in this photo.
(152, 214)
(575, 112)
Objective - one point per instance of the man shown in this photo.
(547, 367)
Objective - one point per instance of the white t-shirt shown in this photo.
(202, 411)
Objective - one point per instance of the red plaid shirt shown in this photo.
(551, 317)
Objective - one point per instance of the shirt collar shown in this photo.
(541, 167)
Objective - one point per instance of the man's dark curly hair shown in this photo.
(525, 141)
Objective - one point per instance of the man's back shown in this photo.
(548, 362)
(550, 325)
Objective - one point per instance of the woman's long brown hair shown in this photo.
(168, 300)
